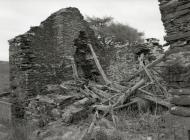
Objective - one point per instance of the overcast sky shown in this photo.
(16, 16)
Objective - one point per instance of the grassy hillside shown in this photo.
(4, 75)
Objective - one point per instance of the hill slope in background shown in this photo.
(4, 75)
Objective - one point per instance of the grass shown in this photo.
(135, 126)
(157, 126)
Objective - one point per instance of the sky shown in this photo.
(17, 16)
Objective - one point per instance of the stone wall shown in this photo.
(43, 55)
(176, 20)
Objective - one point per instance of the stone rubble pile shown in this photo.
(70, 101)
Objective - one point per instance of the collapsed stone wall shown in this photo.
(43, 55)
(176, 20)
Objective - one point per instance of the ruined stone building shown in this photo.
(44, 54)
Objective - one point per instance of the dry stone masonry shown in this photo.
(45, 53)
(176, 20)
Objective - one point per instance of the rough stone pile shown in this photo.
(70, 101)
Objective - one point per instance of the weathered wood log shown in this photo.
(94, 84)
(95, 96)
(146, 85)
(127, 104)
(160, 87)
(103, 87)
(75, 72)
(183, 91)
(183, 100)
(74, 113)
(84, 102)
(116, 86)
(85, 93)
(119, 94)
(105, 108)
(155, 62)
(98, 65)
(145, 69)
(146, 92)
(104, 96)
(158, 60)
(156, 100)
(129, 92)
(100, 92)
(180, 111)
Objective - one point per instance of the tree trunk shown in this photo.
(98, 65)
